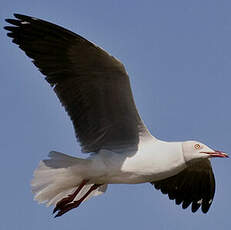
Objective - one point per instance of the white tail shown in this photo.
(59, 176)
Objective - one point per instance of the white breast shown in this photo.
(154, 160)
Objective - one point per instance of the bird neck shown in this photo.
(170, 158)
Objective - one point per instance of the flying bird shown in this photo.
(94, 89)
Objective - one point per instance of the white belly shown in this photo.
(151, 162)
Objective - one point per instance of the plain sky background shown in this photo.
(178, 56)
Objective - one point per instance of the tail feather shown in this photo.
(59, 176)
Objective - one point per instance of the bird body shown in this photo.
(94, 88)
(107, 167)
(143, 165)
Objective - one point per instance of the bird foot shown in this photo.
(62, 203)
(67, 208)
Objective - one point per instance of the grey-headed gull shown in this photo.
(94, 88)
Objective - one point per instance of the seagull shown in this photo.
(94, 89)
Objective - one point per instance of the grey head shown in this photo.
(195, 150)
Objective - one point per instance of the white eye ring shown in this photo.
(197, 146)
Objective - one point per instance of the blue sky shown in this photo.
(178, 56)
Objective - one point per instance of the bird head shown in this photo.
(194, 150)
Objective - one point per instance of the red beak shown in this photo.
(217, 153)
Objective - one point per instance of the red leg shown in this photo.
(76, 203)
(69, 198)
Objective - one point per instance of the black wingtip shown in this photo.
(205, 207)
(6, 27)
(195, 206)
(20, 16)
(13, 21)
(23, 17)
(17, 15)
(10, 35)
(7, 20)
(9, 28)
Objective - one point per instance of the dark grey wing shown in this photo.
(93, 86)
(195, 185)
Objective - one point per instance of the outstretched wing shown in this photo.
(93, 86)
(195, 185)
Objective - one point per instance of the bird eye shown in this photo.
(197, 146)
